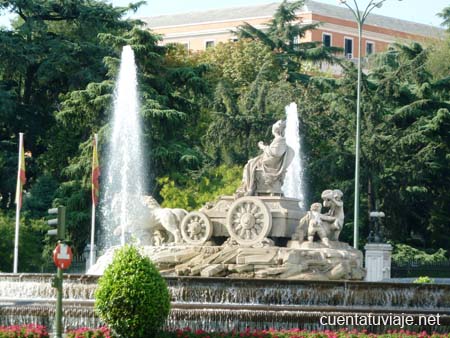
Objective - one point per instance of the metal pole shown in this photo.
(358, 137)
(18, 206)
(91, 252)
(59, 292)
(360, 17)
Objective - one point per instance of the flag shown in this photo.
(21, 178)
(95, 173)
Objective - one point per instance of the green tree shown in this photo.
(192, 192)
(31, 239)
(445, 15)
(53, 49)
(404, 143)
(283, 37)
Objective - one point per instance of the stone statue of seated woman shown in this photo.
(264, 174)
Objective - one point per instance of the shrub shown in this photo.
(132, 298)
(424, 280)
(404, 254)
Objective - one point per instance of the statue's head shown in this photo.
(317, 207)
(278, 128)
(332, 198)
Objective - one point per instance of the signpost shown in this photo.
(62, 257)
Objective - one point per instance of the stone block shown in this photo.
(213, 270)
(257, 256)
(175, 257)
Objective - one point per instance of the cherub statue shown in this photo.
(312, 224)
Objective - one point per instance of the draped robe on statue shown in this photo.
(273, 163)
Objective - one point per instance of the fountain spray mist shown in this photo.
(125, 171)
(294, 185)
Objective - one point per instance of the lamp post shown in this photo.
(360, 17)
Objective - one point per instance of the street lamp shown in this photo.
(360, 17)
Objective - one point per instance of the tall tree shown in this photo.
(283, 36)
(445, 15)
(52, 48)
(404, 143)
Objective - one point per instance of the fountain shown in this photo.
(233, 303)
(254, 259)
(294, 183)
(125, 171)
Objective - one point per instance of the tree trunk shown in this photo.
(28, 86)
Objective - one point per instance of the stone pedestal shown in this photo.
(378, 261)
(298, 261)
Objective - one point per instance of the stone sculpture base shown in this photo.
(378, 261)
(298, 261)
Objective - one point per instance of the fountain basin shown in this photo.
(229, 303)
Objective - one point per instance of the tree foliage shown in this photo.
(192, 193)
(203, 114)
(132, 298)
(283, 37)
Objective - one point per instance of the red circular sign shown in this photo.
(62, 256)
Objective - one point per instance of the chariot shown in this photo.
(248, 220)
(258, 210)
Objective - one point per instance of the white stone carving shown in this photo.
(153, 221)
(249, 220)
(265, 173)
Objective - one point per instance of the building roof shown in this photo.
(267, 10)
(406, 26)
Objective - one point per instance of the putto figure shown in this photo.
(327, 226)
(264, 174)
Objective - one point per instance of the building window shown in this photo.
(209, 44)
(348, 48)
(370, 48)
(326, 40)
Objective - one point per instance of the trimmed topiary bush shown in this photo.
(132, 298)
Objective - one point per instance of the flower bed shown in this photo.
(85, 332)
(37, 331)
(23, 331)
(298, 333)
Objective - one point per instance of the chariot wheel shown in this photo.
(196, 228)
(249, 220)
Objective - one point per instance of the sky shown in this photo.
(413, 10)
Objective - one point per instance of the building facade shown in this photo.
(204, 29)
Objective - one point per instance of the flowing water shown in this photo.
(125, 180)
(294, 185)
(225, 304)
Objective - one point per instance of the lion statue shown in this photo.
(155, 225)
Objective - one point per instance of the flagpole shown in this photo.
(91, 253)
(18, 206)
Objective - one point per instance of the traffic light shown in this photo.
(59, 222)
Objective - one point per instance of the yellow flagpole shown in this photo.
(92, 251)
